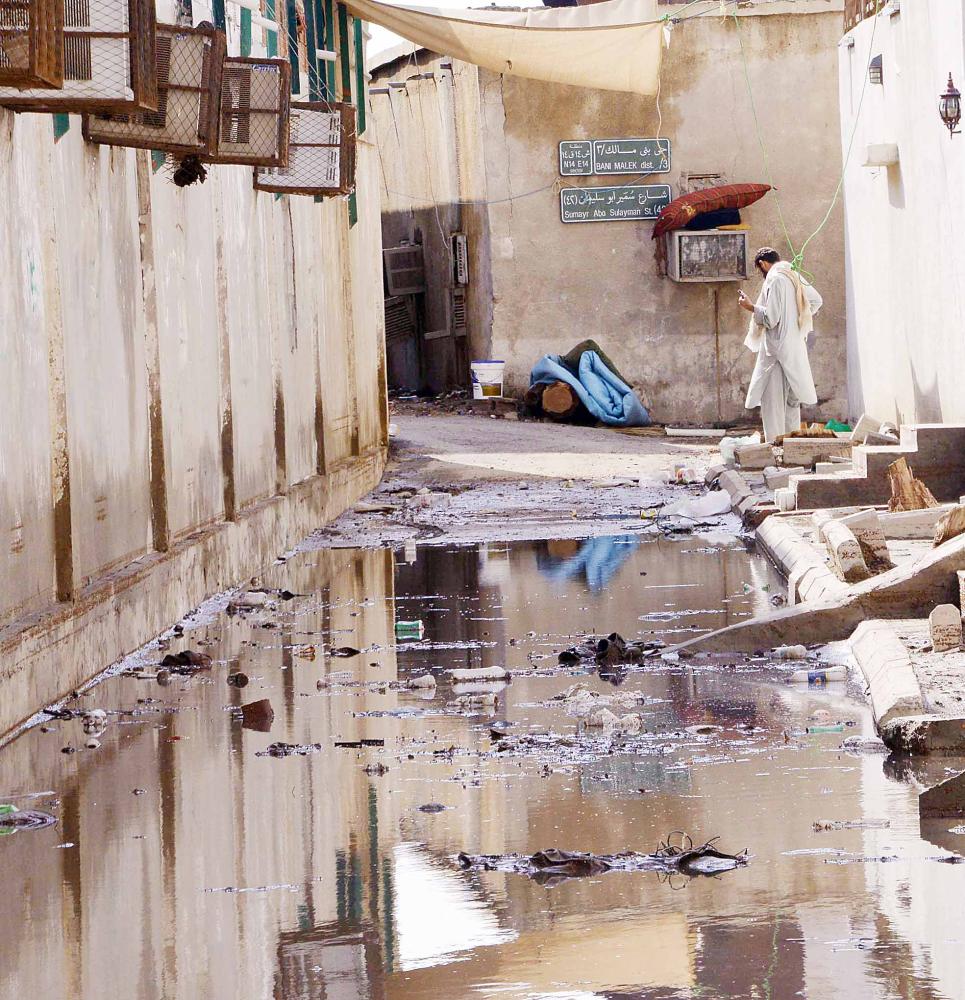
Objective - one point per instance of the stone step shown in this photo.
(935, 452)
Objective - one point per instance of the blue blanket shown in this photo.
(607, 397)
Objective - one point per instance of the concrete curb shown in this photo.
(892, 683)
(808, 576)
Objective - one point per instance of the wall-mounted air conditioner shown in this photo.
(707, 255)
(460, 259)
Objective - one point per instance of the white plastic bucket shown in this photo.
(487, 379)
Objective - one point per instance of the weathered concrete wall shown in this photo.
(175, 360)
(433, 183)
(681, 344)
(905, 253)
(554, 284)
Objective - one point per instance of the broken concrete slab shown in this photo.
(831, 468)
(950, 525)
(755, 456)
(807, 451)
(809, 577)
(924, 734)
(865, 426)
(945, 625)
(910, 590)
(946, 800)
(776, 478)
(889, 672)
(847, 559)
(866, 528)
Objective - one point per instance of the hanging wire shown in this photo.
(797, 256)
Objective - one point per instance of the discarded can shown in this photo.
(839, 728)
(410, 630)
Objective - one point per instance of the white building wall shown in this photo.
(905, 225)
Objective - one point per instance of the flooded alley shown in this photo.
(189, 860)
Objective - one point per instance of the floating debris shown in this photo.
(553, 863)
(289, 749)
(12, 819)
(854, 824)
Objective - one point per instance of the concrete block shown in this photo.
(734, 483)
(755, 456)
(945, 800)
(713, 474)
(950, 525)
(754, 516)
(866, 529)
(911, 523)
(847, 560)
(924, 734)
(807, 451)
(830, 468)
(775, 478)
(785, 498)
(887, 668)
(945, 623)
(865, 426)
(881, 439)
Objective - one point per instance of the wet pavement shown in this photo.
(186, 862)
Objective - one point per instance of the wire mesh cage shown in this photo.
(321, 152)
(31, 43)
(109, 60)
(189, 64)
(253, 113)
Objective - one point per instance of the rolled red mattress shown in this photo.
(681, 210)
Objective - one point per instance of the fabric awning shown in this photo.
(615, 45)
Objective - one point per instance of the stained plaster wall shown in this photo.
(430, 149)
(175, 361)
(905, 256)
(680, 344)
(541, 286)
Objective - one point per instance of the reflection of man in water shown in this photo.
(781, 320)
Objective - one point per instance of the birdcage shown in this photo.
(253, 113)
(189, 64)
(321, 152)
(31, 43)
(109, 60)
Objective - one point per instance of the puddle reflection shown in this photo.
(183, 865)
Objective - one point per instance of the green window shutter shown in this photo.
(61, 125)
(217, 8)
(245, 31)
(330, 45)
(361, 100)
(293, 47)
(157, 160)
(344, 53)
(353, 210)
(271, 36)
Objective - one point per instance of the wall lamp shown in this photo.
(875, 72)
(950, 107)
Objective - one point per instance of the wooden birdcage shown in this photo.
(253, 113)
(109, 60)
(31, 43)
(189, 64)
(321, 152)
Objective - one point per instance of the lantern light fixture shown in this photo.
(950, 107)
(875, 71)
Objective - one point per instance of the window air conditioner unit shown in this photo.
(189, 82)
(109, 61)
(321, 152)
(460, 258)
(706, 255)
(252, 122)
(31, 43)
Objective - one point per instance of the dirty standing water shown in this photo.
(187, 861)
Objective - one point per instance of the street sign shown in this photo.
(582, 157)
(630, 203)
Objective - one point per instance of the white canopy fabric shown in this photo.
(615, 45)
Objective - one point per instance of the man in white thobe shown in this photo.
(781, 320)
